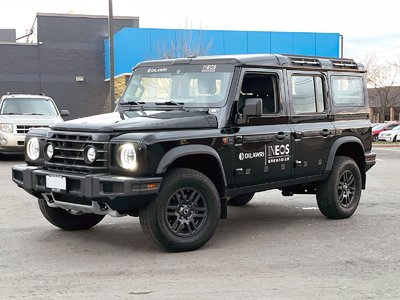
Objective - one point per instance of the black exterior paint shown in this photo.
(68, 46)
(286, 151)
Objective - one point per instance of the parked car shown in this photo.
(19, 113)
(389, 135)
(382, 127)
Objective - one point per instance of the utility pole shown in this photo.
(111, 51)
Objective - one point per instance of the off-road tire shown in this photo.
(338, 196)
(61, 218)
(175, 220)
(241, 200)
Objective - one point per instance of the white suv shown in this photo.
(19, 113)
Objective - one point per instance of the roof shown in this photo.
(24, 96)
(85, 16)
(266, 60)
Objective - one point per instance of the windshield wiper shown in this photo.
(11, 113)
(131, 103)
(172, 102)
(34, 114)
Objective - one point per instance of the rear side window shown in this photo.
(347, 91)
(307, 94)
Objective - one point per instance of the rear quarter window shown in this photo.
(347, 91)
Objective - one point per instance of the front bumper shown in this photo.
(119, 193)
(11, 143)
(385, 138)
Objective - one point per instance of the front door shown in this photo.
(263, 145)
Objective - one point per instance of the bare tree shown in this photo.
(187, 43)
(384, 77)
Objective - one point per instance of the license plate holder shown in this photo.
(56, 183)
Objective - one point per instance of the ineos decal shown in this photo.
(272, 154)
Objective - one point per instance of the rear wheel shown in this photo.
(241, 200)
(185, 213)
(338, 196)
(68, 220)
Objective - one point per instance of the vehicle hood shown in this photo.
(30, 119)
(141, 120)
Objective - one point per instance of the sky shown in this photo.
(368, 27)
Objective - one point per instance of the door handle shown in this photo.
(280, 136)
(325, 132)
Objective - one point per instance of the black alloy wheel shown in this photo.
(186, 212)
(346, 189)
(339, 195)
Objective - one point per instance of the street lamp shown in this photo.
(111, 50)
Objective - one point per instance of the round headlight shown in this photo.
(49, 151)
(90, 154)
(8, 128)
(33, 148)
(126, 157)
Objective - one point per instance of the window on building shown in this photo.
(307, 94)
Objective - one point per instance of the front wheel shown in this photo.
(338, 196)
(185, 213)
(66, 220)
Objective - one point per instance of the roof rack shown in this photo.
(303, 61)
(345, 64)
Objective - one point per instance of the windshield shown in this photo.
(190, 85)
(379, 126)
(397, 128)
(28, 106)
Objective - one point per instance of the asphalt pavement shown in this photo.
(274, 248)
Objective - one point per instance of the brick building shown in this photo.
(392, 111)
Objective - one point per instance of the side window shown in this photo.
(264, 86)
(307, 94)
(347, 91)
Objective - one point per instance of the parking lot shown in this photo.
(275, 247)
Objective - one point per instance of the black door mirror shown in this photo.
(252, 108)
(64, 113)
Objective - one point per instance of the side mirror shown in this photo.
(64, 113)
(252, 108)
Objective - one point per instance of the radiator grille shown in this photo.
(25, 128)
(69, 150)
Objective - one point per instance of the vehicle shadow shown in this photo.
(12, 157)
(125, 235)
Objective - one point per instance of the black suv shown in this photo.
(192, 135)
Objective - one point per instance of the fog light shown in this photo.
(4, 141)
(49, 151)
(89, 154)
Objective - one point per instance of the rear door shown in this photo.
(310, 119)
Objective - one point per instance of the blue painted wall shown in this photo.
(132, 45)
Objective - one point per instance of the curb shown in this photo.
(386, 145)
